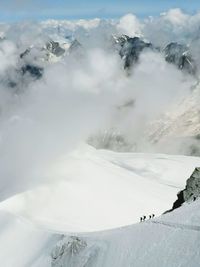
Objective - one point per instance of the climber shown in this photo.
(141, 219)
(150, 217)
(144, 218)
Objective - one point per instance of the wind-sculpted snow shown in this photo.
(95, 190)
(169, 240)
(179, 226)
(127, 85)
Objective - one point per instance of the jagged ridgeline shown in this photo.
(34, 59)
(129, 49)
(174, 53)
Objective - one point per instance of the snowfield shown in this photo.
(95, 190)
(171, 240)
(69, 87)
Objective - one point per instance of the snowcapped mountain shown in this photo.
(179, 55)
(72, 93)
(131, 49)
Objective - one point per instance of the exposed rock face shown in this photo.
(54, 48)
(74, 252)
(25, 53)
(179, 55)
(131, 49)
(35, 71)
(120, 40)
(75, 47)
(110, 140)
(191, 191)
(66, 250)
(42, 54)
(180, 200)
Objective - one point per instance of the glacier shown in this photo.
(93, 219)
(100, 126)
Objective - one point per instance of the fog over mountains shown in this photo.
(109, 82)
(88, 111)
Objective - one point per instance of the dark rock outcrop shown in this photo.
(120, 40)
(131, 49)
(191, 191)
(179, 55)
(34, 71)
(174, 53)
(75, 48)
(54, 48)
(25, 53)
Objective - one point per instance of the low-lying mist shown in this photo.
(86, 92)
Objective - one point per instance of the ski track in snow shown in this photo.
(103, 190)
(127, 186)
(178, 225)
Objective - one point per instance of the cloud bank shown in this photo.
(84, 92)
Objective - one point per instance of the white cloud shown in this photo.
(72, 25)
(130, 25)
(79, 96)
(176, 17)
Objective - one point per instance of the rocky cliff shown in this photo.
(191, 191)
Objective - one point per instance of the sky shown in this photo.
(11, 10)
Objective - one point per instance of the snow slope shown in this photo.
(169, 241)
(22, 244)
(96, 190)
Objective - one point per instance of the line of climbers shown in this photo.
(143, 218)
